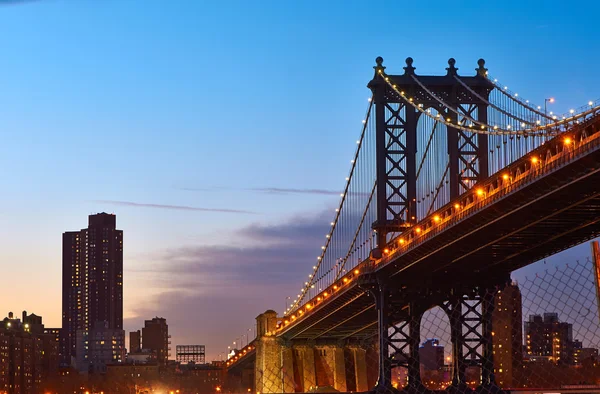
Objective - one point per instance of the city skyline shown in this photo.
(156, 109)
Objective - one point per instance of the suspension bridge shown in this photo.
(455, 183)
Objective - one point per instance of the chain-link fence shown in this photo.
(541, 331)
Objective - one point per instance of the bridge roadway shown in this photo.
(544, 203)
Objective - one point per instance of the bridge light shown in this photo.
(572, 111)
(356, 272)
(351, 161)
(482, 127)
(287, 322)
(323, 247)
(534, 160)
(335, 287)
(293, 317)
(539, 107)
(314, 267)
(319, 258)
(436, 218)
(506, 88)
(358, 141)
(516, 94)
(448, 120)
(401, 241)
(522, 124)
(437, 115)
(505, 176)
(495, 127)
(590, 103)
(386, 251)
(369, 99)
(508, 127)
(538, 121)
(345, 280)
(337, 209)
(325, 294)
(480, 192)
(312, 287)
(456, 206)
(318, 298)
(418, 230)
(341, 194)
(402, 92)
(551, 99)
(308, 306)
(567, 140)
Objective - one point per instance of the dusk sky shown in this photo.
(220, 133)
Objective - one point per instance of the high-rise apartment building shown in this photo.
(507, 323)
(155, 336)
(92, 280)
(548, 339)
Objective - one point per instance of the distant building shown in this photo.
(155, 336)
(135, 341)
(28, 357)
(507, 323)
(92, 281)
(99, 347)
(190, 353)
(431, 354)
(548, 339)
(582, 354)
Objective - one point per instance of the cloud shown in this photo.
(267, 190)
(172, 207)
(278, 190)
(16, 2)
(215, 292)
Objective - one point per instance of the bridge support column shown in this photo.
(360, 368)
(268, 367)
(470, 314)
(336, 366)
(287, 370)
(306, 355)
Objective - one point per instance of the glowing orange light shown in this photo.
(567, 140)
(386, 251)
(293, 317)
(345, 280)
(335, 287)
(534, 160)
(308, 306)
(456, 206)
(356, 272)
(480, 192)
(318, 298)
(325, 294)
(436, 218)
(287, 322)
(300, 313)
(505, 176)
(418, 230)
(401, 240)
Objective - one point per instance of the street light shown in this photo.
(546, 101)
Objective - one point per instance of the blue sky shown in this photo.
(104, 103)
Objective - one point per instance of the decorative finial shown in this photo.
(481, 71)
(451, 70)
(379, 67)
(409, 69)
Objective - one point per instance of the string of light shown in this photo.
(492, 130)
(321, 257)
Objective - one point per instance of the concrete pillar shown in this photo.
(338, 366)
(307, 360)
(287, 370)
(267, 370)
(360, 368)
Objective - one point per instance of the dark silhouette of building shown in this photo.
(155, 336)
(583, 354)
(92, 280)
(28, 357)
(190, 354)
(507, 323)
(431, 354)
(135, 341)
(548, 339)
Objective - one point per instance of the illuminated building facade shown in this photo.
(507, 322)
(92, 280)
(190, 354)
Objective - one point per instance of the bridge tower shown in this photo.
(399, 101)
(396, 137)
